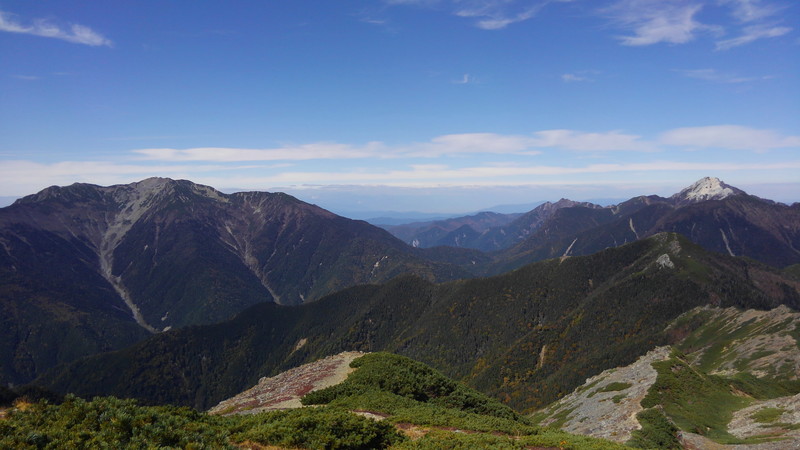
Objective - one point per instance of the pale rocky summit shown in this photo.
(708, 188)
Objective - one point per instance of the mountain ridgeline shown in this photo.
(526, 337)
(711, 213)
(86, 268)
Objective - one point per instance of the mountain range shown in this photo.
(86, 269)
(711, 213)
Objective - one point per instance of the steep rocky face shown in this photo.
(161, 254)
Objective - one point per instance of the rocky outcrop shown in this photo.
(775, 418)
(718, 341)
(284, 391)
(607, 404)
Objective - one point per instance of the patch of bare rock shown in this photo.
(606, 405)
(768, 347)
(778, 417)
(284, 391)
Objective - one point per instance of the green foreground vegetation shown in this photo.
(409, 395)
(108, 422)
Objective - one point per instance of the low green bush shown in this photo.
(109, 422)
(656, 432)
(404, 377)
(317, 428)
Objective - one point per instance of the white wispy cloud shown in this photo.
(759, 19)
(465, 79)
(27, 77)
(75, 33)
(289, 153)
(572, 78)
(580, 76)
(718, 77)
(656, 21)
(593, 142)
(676, 21)
(25, 177)
(468, 143)
(487, 14)
(445, 145)
(494, 16)
(372, 21)
(450, 160)
(751, 10)
(753, 33)
(731, 137)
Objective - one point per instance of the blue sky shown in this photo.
(428, 105)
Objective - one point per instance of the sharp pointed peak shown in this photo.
(706, 188)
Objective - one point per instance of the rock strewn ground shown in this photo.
(609, 414)
(746, 422)
(769, 347)
(284, 391)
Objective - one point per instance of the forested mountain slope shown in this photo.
(526, 337)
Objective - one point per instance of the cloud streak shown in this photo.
(718, 77)
(290, 153)
(572, 78)
(25, 177)
(546, 156)
(74, 33)
(753, 33)
(730, 137)
(487, 14)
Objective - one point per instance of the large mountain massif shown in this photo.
(86, 268)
